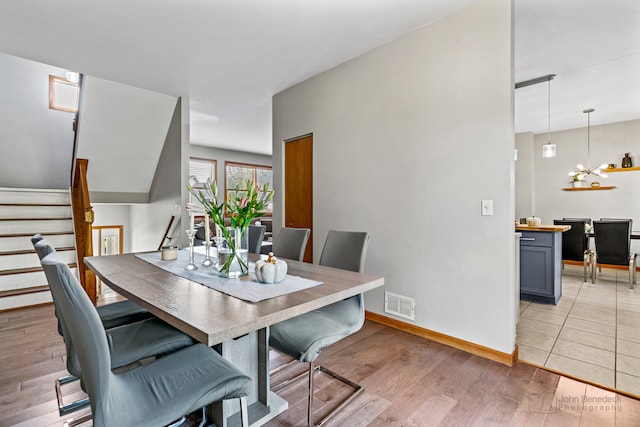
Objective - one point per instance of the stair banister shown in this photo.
(81, 207)
(82, 221)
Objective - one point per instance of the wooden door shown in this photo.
(298, 187)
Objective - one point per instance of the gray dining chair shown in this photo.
(584, 220)
(613, 246)
(256, 236)
(305, 336)
(111, 315)
(575, 243)
(150, 394)
(291, 243)
(128, 343)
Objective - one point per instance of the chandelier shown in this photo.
(581, 172)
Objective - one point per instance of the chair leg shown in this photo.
(357, 390)
(81, 420)
(632, 273)
(73, 406)
(244, 412)
(594, 261)
(310, 395)
(311, 374)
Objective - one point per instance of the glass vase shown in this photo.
(233, 254)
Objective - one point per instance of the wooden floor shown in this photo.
(408, 381)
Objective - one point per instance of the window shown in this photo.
(63, 94)
(200, 170)
(237, 174)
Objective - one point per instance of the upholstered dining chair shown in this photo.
(111, 315)
(150, 394)
(256, 236)
(613, 246)
(305, 336)
(584, 220)
(128, 343)
(575, 243)
(291, 243)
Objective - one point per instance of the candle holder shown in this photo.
(192, 265)
(219, 239)
(208, 262)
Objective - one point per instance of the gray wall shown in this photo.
(122, 132)
(149, 221)
(36, 142)
(408, 139)
(525, 178)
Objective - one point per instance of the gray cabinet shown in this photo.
(541, 266)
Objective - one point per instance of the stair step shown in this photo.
(23, 242)
(24, 280)
(34, 211)
(36, 204)
(36, 219)
(26, 195)
(45, 235)
(33, 227)
(23, 291)
(30, 259)
(33, 251)
(27, 270)
(25, 300)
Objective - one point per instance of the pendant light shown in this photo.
(582, 172)
(549, 149)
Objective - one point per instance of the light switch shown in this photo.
(487, 207)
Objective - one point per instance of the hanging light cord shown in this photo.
(582, 172)
(589, 111)
(549, 112)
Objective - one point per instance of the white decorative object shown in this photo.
(271, 270)
(169, 253)
(534, 221)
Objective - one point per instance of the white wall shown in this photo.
(36, 142)
(608, 144)
(408, 139)
(109, 214)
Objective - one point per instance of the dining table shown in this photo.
(235, 327)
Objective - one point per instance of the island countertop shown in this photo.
(553, 228)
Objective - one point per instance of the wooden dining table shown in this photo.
(238, 329)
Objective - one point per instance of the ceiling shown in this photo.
(229, 57)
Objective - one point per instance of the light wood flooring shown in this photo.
(409, 381)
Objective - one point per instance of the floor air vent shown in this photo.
(399, 305)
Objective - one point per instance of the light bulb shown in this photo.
(549, 150)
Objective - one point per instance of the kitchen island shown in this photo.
(541, 262)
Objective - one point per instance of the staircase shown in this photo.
(23, 213)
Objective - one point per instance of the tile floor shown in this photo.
(592, 333)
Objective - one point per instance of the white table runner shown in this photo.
(246, 288)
